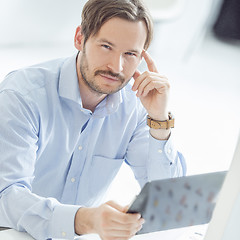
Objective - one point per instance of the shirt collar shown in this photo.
(69, 88)
(109, 105)
(68, 81)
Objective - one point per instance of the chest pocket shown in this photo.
(103, 171)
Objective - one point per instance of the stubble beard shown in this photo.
(90, 81)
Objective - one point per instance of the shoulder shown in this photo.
(31, 78)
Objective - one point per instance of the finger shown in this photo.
(136, 75)
(127, 228)
(150, 63)
(148, 89)
(141, 78)
(119, 216)
(158, 86)
(126, 225)
(115, 205)
(124, 233)
(142, 86)
(126, 218)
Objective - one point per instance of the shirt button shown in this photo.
(73, 180)
(80, 148)
(169, 151)
(64, 234)
(160, 150)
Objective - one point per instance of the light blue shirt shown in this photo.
(57, 156)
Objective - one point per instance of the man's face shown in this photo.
(109, 59)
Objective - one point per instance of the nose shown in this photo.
(116, 63)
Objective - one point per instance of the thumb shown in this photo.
(125, 209)
(115, 205)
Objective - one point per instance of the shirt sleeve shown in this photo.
(152, 159)
(165, 159)
(21, 209)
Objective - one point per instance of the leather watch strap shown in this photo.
(156, 124)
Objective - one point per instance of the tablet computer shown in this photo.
(178, 202)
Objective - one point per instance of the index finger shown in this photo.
(150, 63)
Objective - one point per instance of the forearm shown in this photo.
(160, 134)
(42, 218)
(83, 223)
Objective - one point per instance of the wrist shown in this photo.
(160, 128)
(83, 223)
(161, 124)
(160, 134)
(159, 117)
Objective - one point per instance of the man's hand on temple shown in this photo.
(152, 89)
(110, 221)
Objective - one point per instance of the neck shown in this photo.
(90, 99)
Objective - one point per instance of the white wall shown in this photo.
(31, 22)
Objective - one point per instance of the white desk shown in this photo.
(14, 235)
(175, 234)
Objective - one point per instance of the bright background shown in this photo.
(203, 71)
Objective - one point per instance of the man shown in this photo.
(67, 126)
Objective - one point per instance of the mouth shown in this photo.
(109, 77)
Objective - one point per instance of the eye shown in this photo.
(130, 54)
(106, 46)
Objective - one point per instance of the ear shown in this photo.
(78, 39)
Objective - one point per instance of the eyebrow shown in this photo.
(102, 40)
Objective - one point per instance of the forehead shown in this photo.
(123, 33)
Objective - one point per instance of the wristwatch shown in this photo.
(156, 124)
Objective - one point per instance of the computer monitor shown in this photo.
(226, 216)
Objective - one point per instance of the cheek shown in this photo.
(94, 59)
(100, 58)
(130, 67)
(98, 62)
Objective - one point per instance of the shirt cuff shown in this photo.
(63, 221)
(163, 148)
(162, 158)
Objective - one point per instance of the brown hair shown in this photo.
(96, 12)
